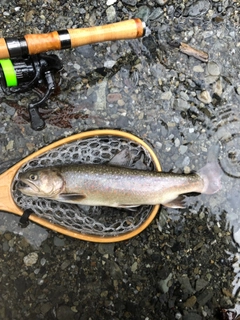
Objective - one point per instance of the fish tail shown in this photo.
(211, 175)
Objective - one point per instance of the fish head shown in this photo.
(46, 183)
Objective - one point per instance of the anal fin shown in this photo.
(176, 203)
(128, 207)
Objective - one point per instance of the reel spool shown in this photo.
(97, 224)
(19, 75)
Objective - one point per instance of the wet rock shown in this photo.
(101, 88)
(115, 271)
(46, 307)
(134, 267)
(163, 284)
(130, 2)
(198, 8)
(64, 312)
(106, 248)
(185, 284)
(204, 297)
(192, 316)
(143, 13)
(5, 246)
(200, 284)
(59, 242)
(114, 97)
(65, 264)
(122, 122)
(181, 104)
(190, 302)
(156, 14)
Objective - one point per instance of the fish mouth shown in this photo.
(26, 186)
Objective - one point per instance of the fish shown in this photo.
(115, 186)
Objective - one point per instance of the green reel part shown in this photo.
(9, 72)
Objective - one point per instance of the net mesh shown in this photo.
(101, 221)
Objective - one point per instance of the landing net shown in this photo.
(101, 221)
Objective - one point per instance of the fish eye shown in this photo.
(33, 177)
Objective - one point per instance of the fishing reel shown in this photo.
(18, 75)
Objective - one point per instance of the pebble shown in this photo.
(205, 97)
(65, 264)
(198, 69)
(134, 267)
(109, 64)
(177, 142)
(100, 103)
(161, 2)
(30, 259)
(178, 316)
(163, 284)
(217, 88)
(111, 14)
(213, 68)
(10, 145)
(183, 149)
(166, 95)
(190, 302)
(111, 2)
(182, 104)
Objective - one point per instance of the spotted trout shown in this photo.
(114, 186)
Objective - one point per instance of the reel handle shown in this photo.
(37, 123)
(32, 44)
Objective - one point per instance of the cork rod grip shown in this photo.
(129, 29)
(36, 43)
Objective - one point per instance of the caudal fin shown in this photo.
(211, 175)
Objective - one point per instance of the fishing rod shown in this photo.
(24, 64)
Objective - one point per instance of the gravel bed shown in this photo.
(185, 265)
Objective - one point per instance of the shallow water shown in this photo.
(186, 264)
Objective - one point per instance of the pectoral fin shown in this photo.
(176, 203)
(71, 197)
